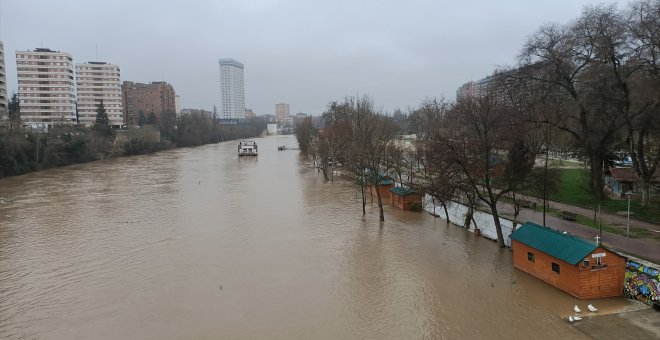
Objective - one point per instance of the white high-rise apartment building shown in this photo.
(96, 82)
(4, 100)
(232, 90)
(281, 112)
(46, 87)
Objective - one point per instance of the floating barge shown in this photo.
(247, 148)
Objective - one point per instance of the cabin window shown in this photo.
(531, 257)
(585, 263)
(555, 267)
(599, 262)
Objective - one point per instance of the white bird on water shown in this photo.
(577, 318)
(570, 319)
(592, 308)
(577, 309)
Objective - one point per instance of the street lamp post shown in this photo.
(629, 193)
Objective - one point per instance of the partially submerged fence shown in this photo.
(480, 219)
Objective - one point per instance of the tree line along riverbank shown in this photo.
(584, 90)
(24, 150)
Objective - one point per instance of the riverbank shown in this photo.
(23, 151)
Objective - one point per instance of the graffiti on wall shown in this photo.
(642, 282)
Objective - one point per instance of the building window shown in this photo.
(585, 263)
(531, 257)
(555, 267)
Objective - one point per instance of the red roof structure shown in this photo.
(624, 174)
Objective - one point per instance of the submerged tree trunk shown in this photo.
(364, 199)
(468, 217)
(492, 203)
(380, 202)
(444, 206)
(498, 226)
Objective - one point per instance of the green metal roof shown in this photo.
(386, 181)
(401, 191)
(566, 247)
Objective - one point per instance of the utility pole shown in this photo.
(629, 193)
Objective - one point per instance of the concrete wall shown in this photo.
(484, 221)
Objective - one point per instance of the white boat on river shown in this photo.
(247, 148)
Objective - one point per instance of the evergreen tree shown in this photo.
(142, 119)
(151, 118)
(14, 111)
(102, 124)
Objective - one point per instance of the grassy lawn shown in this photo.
(574, 190)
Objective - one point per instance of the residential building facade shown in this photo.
(232, 89)
(98, 82)
(480, 88)
(177, 105)
(157, 97)
(249, 114)
(4, 100)
(496, 84)
(46, 87)
(282, 113)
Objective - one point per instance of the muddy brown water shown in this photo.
(198, 243)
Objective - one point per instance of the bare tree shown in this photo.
(305, 134)
(441, 178)
(372, 135)
(360, 138)
(571, 59)
(643, 92)
(487, 143)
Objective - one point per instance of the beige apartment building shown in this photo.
(99, 82)
(46, 87)
(158, 97)
(282, 113)
(4, 100)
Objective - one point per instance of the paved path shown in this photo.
(645, 249)
(614, 219)
(644, 324)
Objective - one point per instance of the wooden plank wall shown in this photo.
(581, 282)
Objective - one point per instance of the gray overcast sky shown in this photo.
(305, 53)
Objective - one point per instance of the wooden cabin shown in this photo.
(572, 264)
(620, 180)
(406, 199)
(386, 183)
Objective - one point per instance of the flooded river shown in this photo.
(198, 244)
